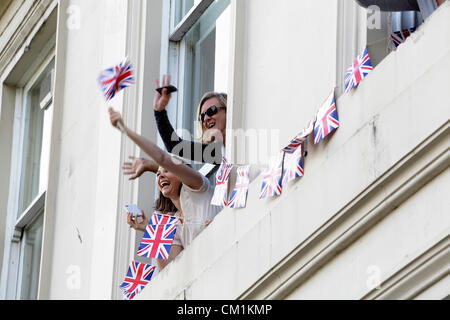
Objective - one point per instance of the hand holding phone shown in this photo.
(134, 210)
(169, 88)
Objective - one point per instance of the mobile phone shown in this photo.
(134, 210)
(170, 89)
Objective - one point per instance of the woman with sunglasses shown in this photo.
(211, 126)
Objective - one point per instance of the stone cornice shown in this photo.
(26, 28)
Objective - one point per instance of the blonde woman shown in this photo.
(212, 123)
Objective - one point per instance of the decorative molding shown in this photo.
(410, 174)
(417, 276)
(132, 100)
(26, 30)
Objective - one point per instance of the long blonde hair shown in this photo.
(199, 127)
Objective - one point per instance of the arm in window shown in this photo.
(190, 150)
(197, 151)
(138, 166)
(187, 175)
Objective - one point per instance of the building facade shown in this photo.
(370, 218)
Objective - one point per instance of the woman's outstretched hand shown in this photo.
(138, 166)
(115, 118)
(161, 101)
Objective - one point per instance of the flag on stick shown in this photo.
(114, 79)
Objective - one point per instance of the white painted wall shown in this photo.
(393, 128)
(290, 63)
(89, 155)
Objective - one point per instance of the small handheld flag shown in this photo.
(114, 79)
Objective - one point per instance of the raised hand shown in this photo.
(138, 166)
(115, 118)
(161, 101)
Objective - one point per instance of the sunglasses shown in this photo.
(210, 112)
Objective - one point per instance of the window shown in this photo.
(394, 22)
(398, 24)
(371, 24)
(38, 114)
(182, 7)
(32, 131)
(199, 54)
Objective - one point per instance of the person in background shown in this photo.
(211, 126)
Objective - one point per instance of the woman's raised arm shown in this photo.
(187, 175)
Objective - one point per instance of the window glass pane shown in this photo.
(206, 60)
(35, 147)
(32, 259)
(181, 8)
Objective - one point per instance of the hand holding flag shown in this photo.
(116, 119)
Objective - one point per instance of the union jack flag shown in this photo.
(128, 296)
(114, 79)
(358, 71)
(293, 166)
(239, 195)
(271, 184)
(220, 191)
(138, 275)
(158, 237)
(398, 37)
(327, 119)
(157, 218)
(299, 138)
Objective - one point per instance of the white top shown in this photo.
(197, 209)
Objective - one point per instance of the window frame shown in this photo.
(18, 223)
(175, 64)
